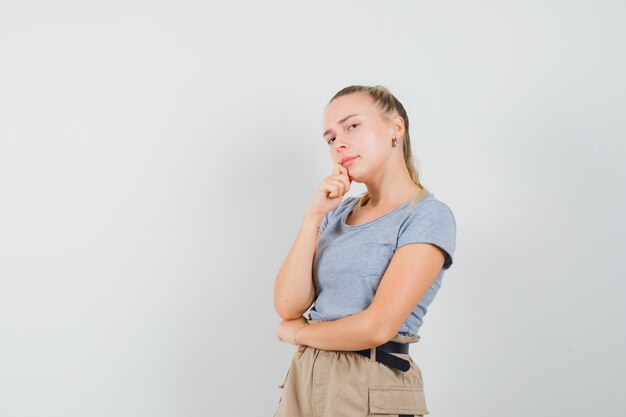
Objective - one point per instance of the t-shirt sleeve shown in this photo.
(432, 223)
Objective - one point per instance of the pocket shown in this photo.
(379, 256)
(394, 400)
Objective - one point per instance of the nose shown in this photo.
(339, 148)
(339, 142)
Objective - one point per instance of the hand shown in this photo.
(330, 191)
(287, 329)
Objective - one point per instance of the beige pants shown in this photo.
(330, 383)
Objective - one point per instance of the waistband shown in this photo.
(384, 352)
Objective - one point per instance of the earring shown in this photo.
(394, 142)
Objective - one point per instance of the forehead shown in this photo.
(356, 103)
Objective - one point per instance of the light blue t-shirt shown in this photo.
(351, 259)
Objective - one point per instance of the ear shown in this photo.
(398, 127)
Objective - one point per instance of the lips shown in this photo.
(348, 159)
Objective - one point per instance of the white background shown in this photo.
(156, 159)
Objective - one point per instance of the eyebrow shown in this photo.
(340, 122)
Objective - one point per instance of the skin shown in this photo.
(381, 167)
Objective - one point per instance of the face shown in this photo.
(354, 127)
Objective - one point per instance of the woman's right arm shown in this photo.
(294, 290)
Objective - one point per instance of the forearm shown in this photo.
(354, 332)
(293, 289)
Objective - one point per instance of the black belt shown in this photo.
(384, 355)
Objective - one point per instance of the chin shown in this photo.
(356, 179)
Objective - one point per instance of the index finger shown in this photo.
(337, 169)
(340, 169)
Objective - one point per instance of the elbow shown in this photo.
(289, 308)
(282, 311)
(287, 311)
(286, 315)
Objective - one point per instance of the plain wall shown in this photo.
(156, 159)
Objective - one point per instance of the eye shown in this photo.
(328, 141)
(353, 124)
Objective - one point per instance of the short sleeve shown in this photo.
(430, 223)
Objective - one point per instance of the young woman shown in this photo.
(371, 265)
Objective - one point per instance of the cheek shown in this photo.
(373, 147)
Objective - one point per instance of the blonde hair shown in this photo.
(388, 105)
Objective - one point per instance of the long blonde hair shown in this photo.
(388, 105)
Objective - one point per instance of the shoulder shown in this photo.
(345, 204)
(431, 208)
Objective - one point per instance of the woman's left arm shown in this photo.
(410, 273)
